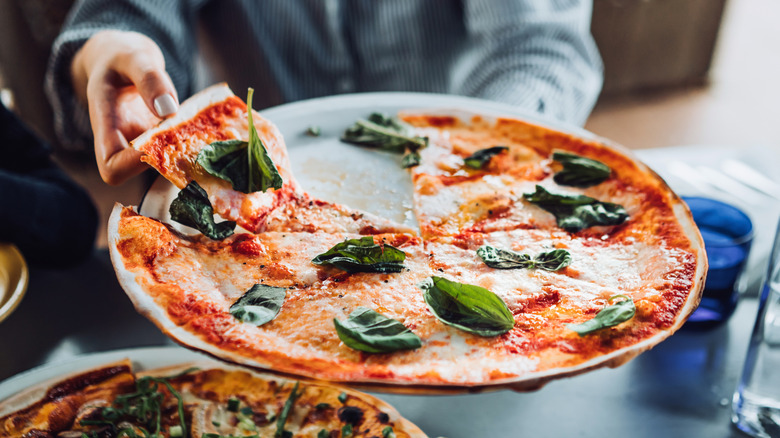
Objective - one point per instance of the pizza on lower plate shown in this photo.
(198, 400)
(539, 254)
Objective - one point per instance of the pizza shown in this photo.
(198, 400)
(539, 254)
(217, 115)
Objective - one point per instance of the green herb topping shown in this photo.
(504, 259)
(480, 158)
(245, 419)
(410, 159)
(313, 131)
(143, 409)
(363, 255)
(577, 212)
(193, 209)
(323, 433)
(246, 165)
(372, 332)
(343, 397)
(468, 307)
(286, 410)
(579, 171)
(259, 305)
(216, 435)
(613, 314)
(386, 133)
(387, 432)
(346, 431)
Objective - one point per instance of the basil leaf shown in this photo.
(262, 172)
(382, 119)
(313, 131)
(372, 332)
(552, 260)
(323, 433)
(227, 160)
(386, 133)
(246, 165)
(288, 405)
(259, 305)
(478, 159)
(577, 212)
(611, 315)
(504, 259)
(193, 209)
(388, 432)
(363, 255)
(411, 159)
(468, 307)
(579, 171)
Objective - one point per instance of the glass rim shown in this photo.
(735, 240)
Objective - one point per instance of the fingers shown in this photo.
(116, 160)
(123, 164)
(108, 68)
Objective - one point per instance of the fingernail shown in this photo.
(165, 105)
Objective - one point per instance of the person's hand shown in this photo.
(122, 78)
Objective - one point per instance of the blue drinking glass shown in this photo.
(727, 233)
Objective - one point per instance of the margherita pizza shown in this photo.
(539, 255)
(198, 400)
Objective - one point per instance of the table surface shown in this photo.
(682, 387)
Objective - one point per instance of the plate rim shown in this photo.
(427, 101)
(19, 288)
(141, 357)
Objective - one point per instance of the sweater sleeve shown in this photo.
(538, 55)
(48, 216)
(168, 23)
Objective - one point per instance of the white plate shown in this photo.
(354, 176)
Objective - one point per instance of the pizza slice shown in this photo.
(239, 160)
(483, 175)
(233, 402)
(198, 400)
(48, 409)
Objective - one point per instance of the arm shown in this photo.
(538, 55)
(114, 57)
(49, 217)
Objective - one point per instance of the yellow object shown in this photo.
(13, 279)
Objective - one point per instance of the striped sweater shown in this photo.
(537, 54)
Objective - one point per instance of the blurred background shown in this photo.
(677, 72)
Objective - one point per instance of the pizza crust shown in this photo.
(34, 394)
(395, 417)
